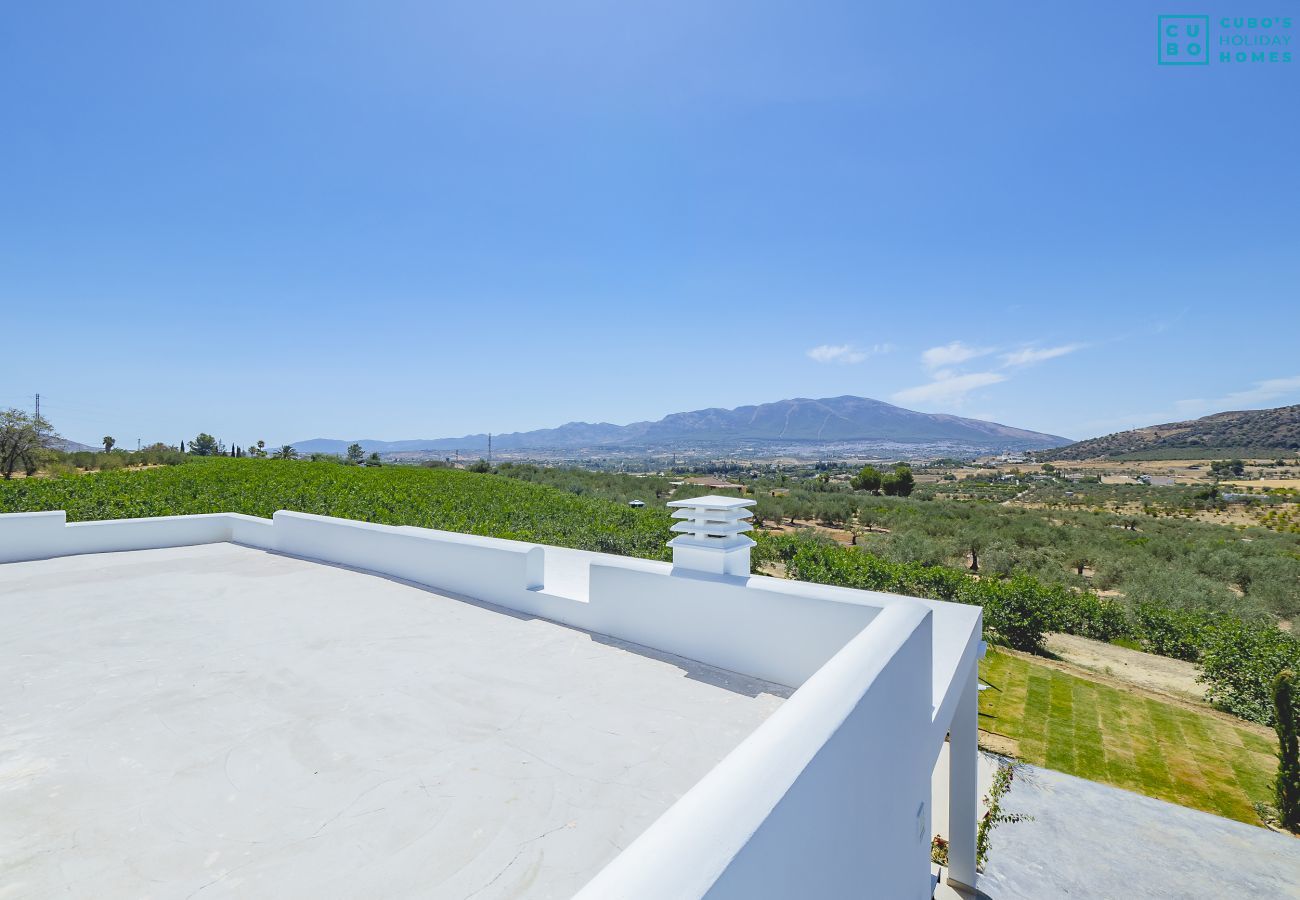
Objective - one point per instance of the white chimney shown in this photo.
(711, 537)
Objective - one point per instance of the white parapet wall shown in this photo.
(827, 799)
(43, 535)
(484, 568)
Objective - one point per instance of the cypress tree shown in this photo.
(1287, 785)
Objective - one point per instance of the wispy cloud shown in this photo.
(1028, 356)
(951, 389)
(952, 354)
(1261, 394)
(845, 354)
(949, 385)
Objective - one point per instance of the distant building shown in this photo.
(712, 484)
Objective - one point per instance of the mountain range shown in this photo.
(799, 421)
(1250, 429)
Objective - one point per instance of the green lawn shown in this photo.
(1126, 739)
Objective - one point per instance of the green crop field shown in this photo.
(432, 498)
(1128, 739)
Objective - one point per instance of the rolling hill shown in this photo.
(1263, 430)
(797, 421)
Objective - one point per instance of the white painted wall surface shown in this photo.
(485, 568)
(827, 799)
(732, 623)
(34, 535)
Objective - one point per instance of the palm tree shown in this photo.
(108, 443)
(286, 452)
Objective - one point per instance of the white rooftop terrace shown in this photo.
(312, 706)
(221, 715)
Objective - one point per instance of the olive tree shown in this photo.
(23, 438)
(869, 479)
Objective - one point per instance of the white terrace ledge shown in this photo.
(824, 794)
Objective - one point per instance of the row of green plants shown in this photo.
(431, 498)
(58, 462)
(1239, 658)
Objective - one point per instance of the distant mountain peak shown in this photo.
(800, 420)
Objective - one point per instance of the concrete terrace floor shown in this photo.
(218, 720)
(1090, 841)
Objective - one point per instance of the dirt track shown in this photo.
(1157, 673)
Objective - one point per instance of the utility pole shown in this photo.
(38, 406)
(489, 449)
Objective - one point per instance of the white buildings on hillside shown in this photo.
(308, 706)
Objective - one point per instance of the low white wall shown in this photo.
(738, 624)
(484, 568)
(26, 536)
(132, 534)
(827, 799)
(252, 531)
(34, 535)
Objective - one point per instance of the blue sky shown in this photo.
(398, 220)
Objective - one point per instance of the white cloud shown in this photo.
(952, 354)
(1028, 356)
(1263, 393)
(949, 385)
(845, 354)
(951, 389)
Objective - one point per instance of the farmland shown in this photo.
(430, 498)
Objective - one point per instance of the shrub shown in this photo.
(1239, 663)
(108, 462)
(1020, 611)
(1169, 632)
(1090, 616)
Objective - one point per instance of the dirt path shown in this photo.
(1157, 673)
